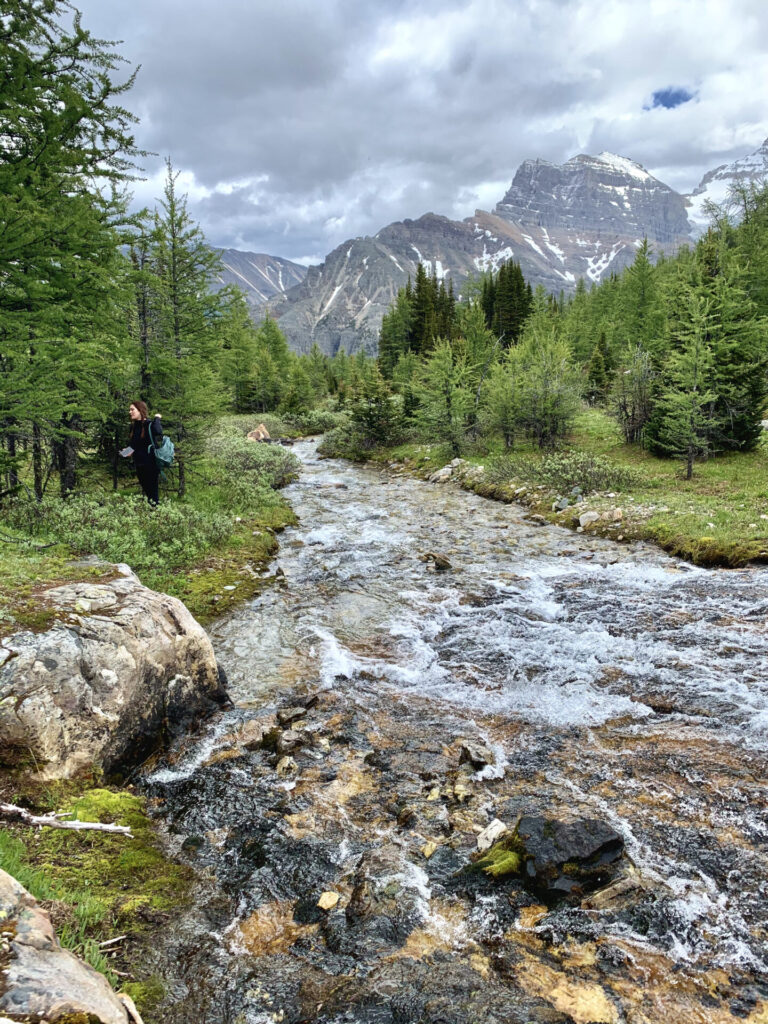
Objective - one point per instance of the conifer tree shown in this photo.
(641, 305)
(67, 149)
(395, 332)
(375, 414)
(632, 394)
(421, 334)
(738, 340)
(240, 352)
(185, 382)
(686, 407)
(444, 396)
(317, 368)
(488, 298)
(501, 410)
(299, 396)
(548, 384)
(597, 377)
(404, 382)
(578, 325)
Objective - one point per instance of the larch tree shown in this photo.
(186, 386)
(687, 405)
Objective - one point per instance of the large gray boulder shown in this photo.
(40, 980)
(121, 670)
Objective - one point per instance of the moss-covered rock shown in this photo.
(556, 859)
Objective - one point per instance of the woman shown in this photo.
(139, 446)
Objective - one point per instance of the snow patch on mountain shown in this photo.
(624, 165)
(493, 260)
(715, 186)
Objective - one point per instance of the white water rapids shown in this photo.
(533, 622)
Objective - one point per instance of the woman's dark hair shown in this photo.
(144, 410)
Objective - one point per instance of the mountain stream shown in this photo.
(438, 662)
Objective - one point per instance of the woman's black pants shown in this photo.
(149, 478)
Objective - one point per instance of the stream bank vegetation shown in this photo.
(641, 398)
(106, 894)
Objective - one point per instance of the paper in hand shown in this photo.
(125, 452)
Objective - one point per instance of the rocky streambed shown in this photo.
(479, 769)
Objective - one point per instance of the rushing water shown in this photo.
(611, 682)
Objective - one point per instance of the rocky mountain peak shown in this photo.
(607, 192)
(582, 219)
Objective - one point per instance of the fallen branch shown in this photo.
(112, 942)
(14, 813)
(130, 1006)
(6, 539)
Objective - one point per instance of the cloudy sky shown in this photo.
(298, 124)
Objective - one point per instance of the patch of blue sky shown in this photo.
(669, 98)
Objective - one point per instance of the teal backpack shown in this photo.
(164, 452)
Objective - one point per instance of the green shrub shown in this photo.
(564, 471)
(244, 423)
(121, 528)
(234, 457)
(347, 442)
(314, 421)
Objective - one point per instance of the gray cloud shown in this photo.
(301, 124)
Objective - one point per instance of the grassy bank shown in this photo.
(718, 518)
(207, 548)
(96, 886)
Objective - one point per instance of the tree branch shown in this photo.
(14, 813)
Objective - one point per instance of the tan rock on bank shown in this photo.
(41, 980)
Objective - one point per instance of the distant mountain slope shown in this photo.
(559, 222)
(259, 276)
(341, 302)
(714, 186)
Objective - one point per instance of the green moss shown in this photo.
(504, 858)
(26, 571)
(237, 564)
(147, 995)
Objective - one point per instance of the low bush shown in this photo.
(234, 458)
(347, 442)
(564, 471)
(315, 421)
(121, 528)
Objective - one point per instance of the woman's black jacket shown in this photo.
(140, 440)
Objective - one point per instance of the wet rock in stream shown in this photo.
(406, 936)
(566, 858)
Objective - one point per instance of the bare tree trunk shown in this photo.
(13, 476)
(115, 459)
(182, 476)
(68, 456)
(37, 460)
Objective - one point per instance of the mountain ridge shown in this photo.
(581, 219)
